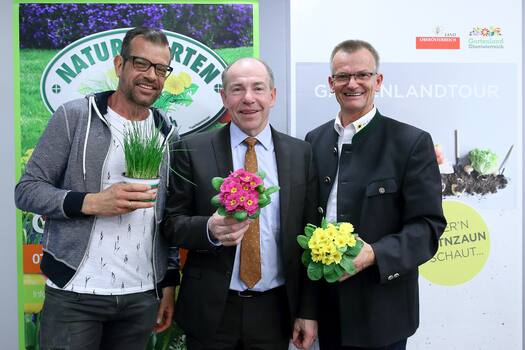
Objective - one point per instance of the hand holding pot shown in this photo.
(118, 199)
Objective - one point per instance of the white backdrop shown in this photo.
(476, 90)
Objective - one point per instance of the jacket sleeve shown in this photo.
(172, 276)
(181, 226)
(38, 189)
(422, 215)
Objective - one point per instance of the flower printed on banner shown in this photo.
(178, 90)
(486, 37)
(486, 31)
(242, 194)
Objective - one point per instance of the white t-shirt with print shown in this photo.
(119, 256)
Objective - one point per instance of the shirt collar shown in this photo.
(357, 125)
(237, 136)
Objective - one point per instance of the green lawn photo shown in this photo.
(34, 115)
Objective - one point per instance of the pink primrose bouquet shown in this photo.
(329, 250)
(241, 194)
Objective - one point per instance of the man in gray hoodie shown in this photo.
(106, 263)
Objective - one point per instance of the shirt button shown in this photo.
(320, 210)
(381, 190)
(327, 180)
(335, 150)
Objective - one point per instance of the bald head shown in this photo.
(244, 61)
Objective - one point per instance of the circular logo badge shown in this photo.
(190, 97)
(463, 247)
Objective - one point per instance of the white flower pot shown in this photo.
(154, 183)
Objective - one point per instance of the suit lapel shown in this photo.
(221, 144)
(284, 172)
(223, 152)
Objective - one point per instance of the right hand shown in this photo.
(118, 199)
(227, 230)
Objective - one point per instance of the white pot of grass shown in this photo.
(143, 152)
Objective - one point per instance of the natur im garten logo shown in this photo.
(486, 37)
(191, 93)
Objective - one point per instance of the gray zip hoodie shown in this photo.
(66, 165)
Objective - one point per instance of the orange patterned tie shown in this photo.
(250, 246)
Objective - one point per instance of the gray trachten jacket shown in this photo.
(66, 165)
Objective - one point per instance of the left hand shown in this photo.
(304, 333)
(165, 313)
(364, 259)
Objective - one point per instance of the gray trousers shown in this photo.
(74, 321)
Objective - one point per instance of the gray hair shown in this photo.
(351, 46)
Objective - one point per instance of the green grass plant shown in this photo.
(143, 150)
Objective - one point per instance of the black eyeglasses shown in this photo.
(142, 65)
(344, 78)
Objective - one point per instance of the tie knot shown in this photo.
(250, 141)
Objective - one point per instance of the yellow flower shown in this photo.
(185, 79)
(352, 241)
(176, 84)
(346, 228)
(340, 241)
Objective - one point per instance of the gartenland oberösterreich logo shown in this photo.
(440, 40)
(191, 93)
(486, 37)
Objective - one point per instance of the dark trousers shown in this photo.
(74, 321)
(258, 322)
(329, 345)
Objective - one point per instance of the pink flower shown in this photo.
(238, 192)
(230, 185)
(251, 204)
(231, 202)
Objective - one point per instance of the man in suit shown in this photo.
(218, 306)
(382, 176)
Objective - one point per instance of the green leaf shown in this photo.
(354, 251)
(303, 241)
(240, 215)
(192, 88)
(261, 174)
(348, 264)
(309, 230)
(263, 200)
(260, 188)
(329, 273)
(256, 214)
(331, 277)
(221, 211)
(271, 189)
(315, 271)
(217, 182)
(215, 200)
(328, 268)
(306, 258)
(339, 271)
(324, 223)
